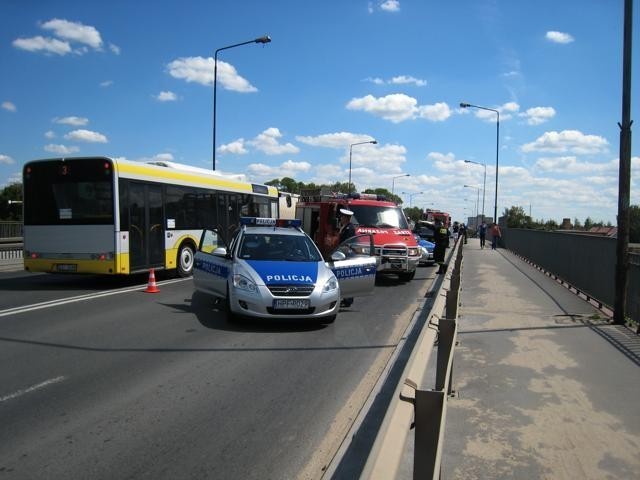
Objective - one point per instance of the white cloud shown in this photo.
(50, 134)
(399, 107)
(236, 147)
(404, 79)
(166, 97)
(571, 165)
(334, 140)
(41, 44)
(114, 48)
(538, 115)
(267, 142)
(106, 83)
(559, 37)
(75, 32)
(6, 160)
(286, 169)
(375, 81)
(60, 149)
(390, 6)
(86, 136)
(9, 106)
(572, 141)
(200, 70)
(73, 121)
(436, 113)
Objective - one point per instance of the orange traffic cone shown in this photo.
(151, 285)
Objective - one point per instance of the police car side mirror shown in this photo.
(338, 256)
(220, 252)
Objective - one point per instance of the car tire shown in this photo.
(407, 276)
(231, 317)
(185, 260)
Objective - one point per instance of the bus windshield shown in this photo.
(69, 192)
(378, 216)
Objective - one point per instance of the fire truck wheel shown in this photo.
(407, 276)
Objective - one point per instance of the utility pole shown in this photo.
(624, 180)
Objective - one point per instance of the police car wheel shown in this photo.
(231, 317)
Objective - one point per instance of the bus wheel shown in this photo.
(185, 260)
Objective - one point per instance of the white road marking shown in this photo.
(19, 393)
(79, 298)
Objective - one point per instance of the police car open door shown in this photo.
(212, 265)
(356, 272)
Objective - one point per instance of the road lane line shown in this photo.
(33, 388)
(79, 298)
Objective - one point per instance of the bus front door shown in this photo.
(146, 233)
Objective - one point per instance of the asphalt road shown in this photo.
(116, 383)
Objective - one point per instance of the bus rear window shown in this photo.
(72, 192)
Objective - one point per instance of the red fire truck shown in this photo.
(433, 215)
(396, 248)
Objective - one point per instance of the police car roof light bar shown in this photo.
(270, 222)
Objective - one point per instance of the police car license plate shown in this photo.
(291, 303)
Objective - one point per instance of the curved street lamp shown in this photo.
(469, 105)
(374, 142)
(263, 40)
(411, 195)
(393, 181)
(484, 183)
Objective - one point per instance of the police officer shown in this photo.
(441, 238)
(347, 230)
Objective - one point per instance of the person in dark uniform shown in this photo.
(441, 238)
(347, 230)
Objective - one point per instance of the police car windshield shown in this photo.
(293, 248)
(373, 216)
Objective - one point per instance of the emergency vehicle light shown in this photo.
(270, 222)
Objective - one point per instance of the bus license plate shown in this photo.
(291, 304)
(66, 267)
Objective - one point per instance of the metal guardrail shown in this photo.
(10, 230)
(415, 405)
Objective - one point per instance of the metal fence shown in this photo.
(10, 231)
(586, 262)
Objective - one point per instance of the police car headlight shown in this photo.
(331, 285)
(243, 283)
(413, 252)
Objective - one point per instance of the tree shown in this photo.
(413, 213)
(516, 218)
(588, 224)
(576, 224)
(13, 211)
(385, 193)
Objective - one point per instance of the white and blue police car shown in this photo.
(272, 269)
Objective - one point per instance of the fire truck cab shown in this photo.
(396, 249)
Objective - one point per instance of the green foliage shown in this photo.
(387, 194)
(11, 211)
(413, 213)
(516, 218)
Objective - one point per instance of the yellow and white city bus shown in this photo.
(111, 216)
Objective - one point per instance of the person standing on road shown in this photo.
(347, 230)
(496, 234)
(441, 238)
(483, 234)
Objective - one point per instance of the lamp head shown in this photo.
(464, 105)
(263, 40)
(374, 142)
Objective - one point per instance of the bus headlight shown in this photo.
(243, 283)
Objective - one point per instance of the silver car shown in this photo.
(271, 268)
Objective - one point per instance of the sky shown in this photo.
(134, 80)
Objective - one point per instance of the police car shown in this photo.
(271, 268)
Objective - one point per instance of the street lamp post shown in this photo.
(484, 183)
(411, 195)
(263, 40)
(475, 222)
(393, 181)
(495, 202)
(374, 142)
